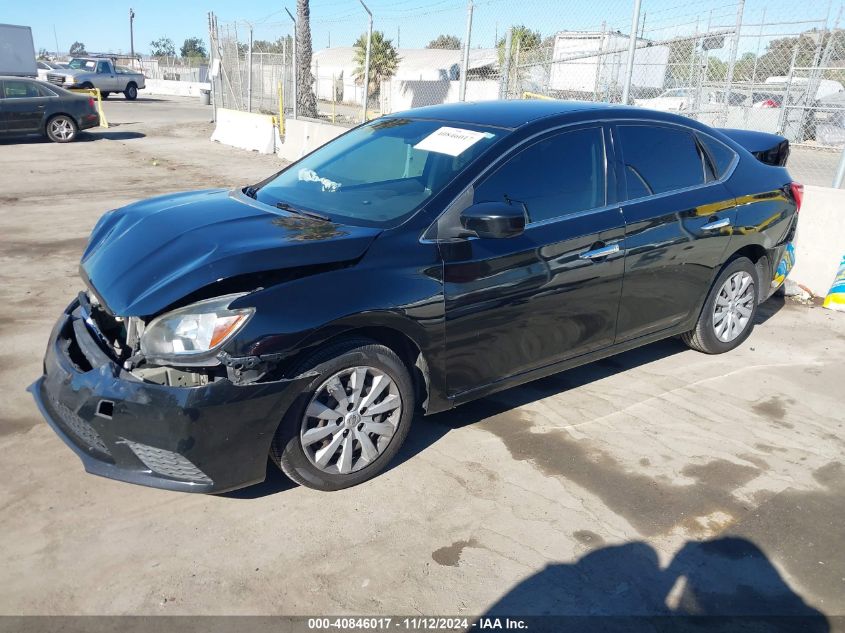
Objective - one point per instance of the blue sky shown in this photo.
(414, 22)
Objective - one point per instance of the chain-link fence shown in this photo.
(762, 65)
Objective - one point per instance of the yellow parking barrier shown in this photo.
(534, 95)
(95, 92)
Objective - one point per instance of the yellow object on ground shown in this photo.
(835, 299)
(95, 92)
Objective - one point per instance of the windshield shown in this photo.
(86, 64)
(381, 172)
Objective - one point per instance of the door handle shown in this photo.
(717, 224)
(41, 107)
(598, 253)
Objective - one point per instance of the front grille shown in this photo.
(83, 431)
(168, 463)
(55, 79)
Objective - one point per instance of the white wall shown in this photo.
(175, 88)
(820, 242)
(302, 137)
(398, 95)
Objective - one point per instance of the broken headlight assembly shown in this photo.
(192, 335)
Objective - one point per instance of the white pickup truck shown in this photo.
(98, 72)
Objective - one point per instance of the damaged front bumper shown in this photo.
(210, 438)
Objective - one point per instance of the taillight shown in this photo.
(798, 194)
(91, 103)
(769, 103)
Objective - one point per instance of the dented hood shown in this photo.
(146, 256)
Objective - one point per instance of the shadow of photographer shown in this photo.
(726, 584)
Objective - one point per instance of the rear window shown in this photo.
(659, 159)
(721, 156)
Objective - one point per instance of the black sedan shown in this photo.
(417, 262)
(34, 107)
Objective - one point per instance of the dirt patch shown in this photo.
(450, 556)
(652, 506)
(588, 539)
(774, 408)
(20, 248)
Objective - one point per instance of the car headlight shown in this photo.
(192, 335)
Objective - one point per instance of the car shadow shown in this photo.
(83, 137)
(724, 584)
(427, 431)
(769, 308)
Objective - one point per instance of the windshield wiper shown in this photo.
(284, 206)
(251, 191)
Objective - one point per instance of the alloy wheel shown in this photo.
(351, 420)
(734, 306)
(62, 129)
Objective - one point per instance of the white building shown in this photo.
(594, 61)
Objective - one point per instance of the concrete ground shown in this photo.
(661, 480)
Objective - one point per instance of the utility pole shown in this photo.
(132, 34)
(367, 61)
(465, 62)
(732, 63)
(632, 47)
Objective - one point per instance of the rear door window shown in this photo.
(721, 156)
(20, 89)
(660, 159)
(555, 177)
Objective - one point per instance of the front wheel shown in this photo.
(729, 310)
(131, 92)
(350, 421)
(61, 129)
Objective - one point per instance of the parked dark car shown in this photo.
(30, 107)
(417, 262)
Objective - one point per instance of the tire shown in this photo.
(61, 129)
(104, 95)
(131, 92)
(87, 85)
(298, 459)
(713, 335)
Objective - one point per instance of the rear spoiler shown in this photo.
(770, 149)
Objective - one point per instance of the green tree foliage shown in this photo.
(43, 55)
(77, 49)
(450, 42)
(193, 47)
(384, 60)
(162, 47)
(281, 45)
(522, 40)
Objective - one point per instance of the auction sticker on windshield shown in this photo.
(450, 140)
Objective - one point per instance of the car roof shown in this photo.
(507, 114)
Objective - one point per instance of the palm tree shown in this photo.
(384, 60)
(306, 102)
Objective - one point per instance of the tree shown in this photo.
(281, 45)
(193, 47)
(306, 102)
(384, 60)
(450, 42)
(523, 39)
(43, 55)
(77, 49)
(162, 47)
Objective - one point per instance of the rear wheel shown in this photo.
(131, 92)
(104, 95)
(729, 310)
(61, 129)
(350, 421)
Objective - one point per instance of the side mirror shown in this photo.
(494, 220)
